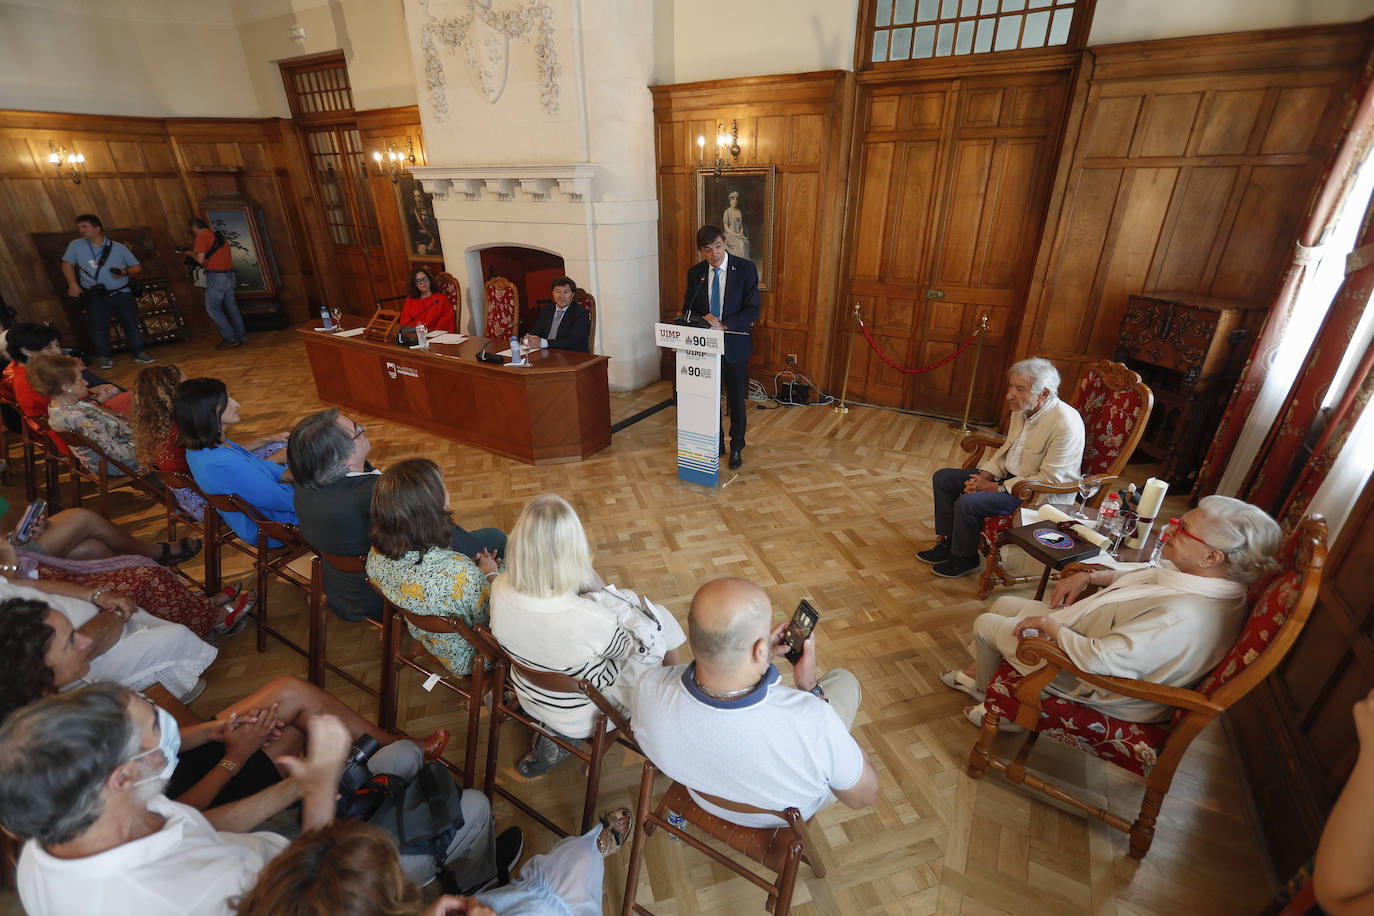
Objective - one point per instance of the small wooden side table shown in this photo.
(1055, 558)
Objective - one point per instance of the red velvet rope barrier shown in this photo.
(931, 368)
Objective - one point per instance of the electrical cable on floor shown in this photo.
(822, 399)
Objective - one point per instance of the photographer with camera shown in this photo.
(211, 251)
(98, 271)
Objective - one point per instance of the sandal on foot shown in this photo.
(616, 825)
(180, 552)
(237, 617)
(542, 757)
(227, 594)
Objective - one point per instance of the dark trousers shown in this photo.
(959, 515)
(120, 303)
(735, 377)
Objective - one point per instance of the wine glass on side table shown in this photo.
(1087, 489)
(337, 314)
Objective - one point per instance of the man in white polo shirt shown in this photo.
(724, 725)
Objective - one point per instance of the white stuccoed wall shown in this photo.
(605, 227)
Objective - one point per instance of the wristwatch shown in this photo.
(818, 692)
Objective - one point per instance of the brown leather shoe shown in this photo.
(434, 745)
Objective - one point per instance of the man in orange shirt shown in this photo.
(212, 253)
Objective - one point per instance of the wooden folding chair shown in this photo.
(469, 688)
(780, 849)
(505, 708)
(215, 532)
(275, 561)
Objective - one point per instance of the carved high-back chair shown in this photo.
(600, 741)
(588, 301)
(1115, 406)
(503, 304)
(780, 850)
(1279, 607)
(447, 283)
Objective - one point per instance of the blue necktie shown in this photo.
(715, 291)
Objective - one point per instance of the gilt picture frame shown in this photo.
(741, 202)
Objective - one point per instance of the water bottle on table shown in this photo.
(515, 358)
(421, 337)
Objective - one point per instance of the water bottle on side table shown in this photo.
(515, 358)
(324, 317)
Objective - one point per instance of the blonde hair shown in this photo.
(49, 374)
(152, 413)
(547, 554)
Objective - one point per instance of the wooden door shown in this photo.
(340, 173)
(953, 177)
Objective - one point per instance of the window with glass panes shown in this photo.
(919, 29)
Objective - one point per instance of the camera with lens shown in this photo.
(181, 249)
(355, 771)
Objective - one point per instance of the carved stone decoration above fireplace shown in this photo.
(571, 182)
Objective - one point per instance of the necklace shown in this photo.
(720, 696)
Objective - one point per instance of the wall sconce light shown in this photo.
(75, 163)
(396, 160)
(725, 143)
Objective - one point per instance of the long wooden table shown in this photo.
(556, 410)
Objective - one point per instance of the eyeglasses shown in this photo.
(358, 431)
(1177, 525)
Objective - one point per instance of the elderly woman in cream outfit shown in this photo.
(1169, 625)
(551, 611)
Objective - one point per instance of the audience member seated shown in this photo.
(1169, 625)
(155, 436)
(25, 341)
(413, 565)
(103, 839)
(59, 379)
(219, 761)
(725, 725)
(327, 453)
(80, 547)
(201, 408)
(350, 861)
(564, 325)
(108, 639)
(425, 305)
(551, 611)
(1343, 872)
(1044, 441)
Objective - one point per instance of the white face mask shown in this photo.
(169, 743)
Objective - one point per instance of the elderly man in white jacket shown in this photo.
(1044, 442)
(1169, 625)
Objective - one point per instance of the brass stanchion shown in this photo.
(840, 408)
(962, 425)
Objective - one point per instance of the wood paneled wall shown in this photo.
(139, 172)
(795, 123)
(1190, 167)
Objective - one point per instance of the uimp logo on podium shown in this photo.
(697, 371)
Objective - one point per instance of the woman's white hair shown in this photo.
(1247, 535)
(547, 554)
(1039, 373)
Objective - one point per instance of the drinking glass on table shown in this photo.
(1087, 489)
(337, 314)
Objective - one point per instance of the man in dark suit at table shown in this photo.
(565, 325)
(724, 291)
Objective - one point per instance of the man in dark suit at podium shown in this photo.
(724, 292)
(565, 325)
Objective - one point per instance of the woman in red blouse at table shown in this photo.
(426, 306)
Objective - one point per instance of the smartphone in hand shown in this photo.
(32, 515)
(798, 629)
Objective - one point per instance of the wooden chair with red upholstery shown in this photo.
(588, 301)
(1115, 406)
(610, 727)
(447, 283)
(1279, 607)
(503, 304)
(399, 651)
(780, 850)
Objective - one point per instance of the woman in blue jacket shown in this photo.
(202, 409)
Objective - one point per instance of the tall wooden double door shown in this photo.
(339, 170)
(953, 176)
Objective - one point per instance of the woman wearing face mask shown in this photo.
(216, 762)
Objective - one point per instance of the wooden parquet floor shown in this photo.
(826, 507)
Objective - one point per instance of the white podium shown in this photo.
(698, 399)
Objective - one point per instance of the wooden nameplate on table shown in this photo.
(382, 326)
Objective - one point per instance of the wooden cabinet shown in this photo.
(1190, 351)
